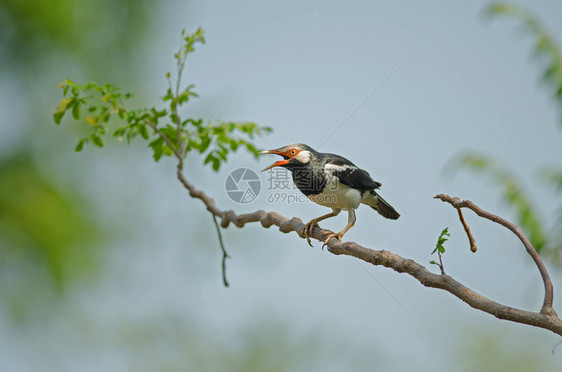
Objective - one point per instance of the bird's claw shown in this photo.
(307, 230)
(332, 235)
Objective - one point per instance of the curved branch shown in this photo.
(548, 289)
(544, 319)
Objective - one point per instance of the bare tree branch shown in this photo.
(546, 318)
(549, 291)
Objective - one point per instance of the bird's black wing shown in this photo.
(349, 174)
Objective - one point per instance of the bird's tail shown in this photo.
(374, 200)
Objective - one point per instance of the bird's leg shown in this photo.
(307, 229)
(350, 223)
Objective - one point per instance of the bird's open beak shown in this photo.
(277, 163)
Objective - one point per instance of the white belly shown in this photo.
(338, 196)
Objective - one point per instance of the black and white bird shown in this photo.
(332, 181)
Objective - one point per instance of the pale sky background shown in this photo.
(469, 84)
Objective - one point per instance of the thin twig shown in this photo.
(180, 67)
(181, 145)
(224, 254)
(441, 263)
(468, 233)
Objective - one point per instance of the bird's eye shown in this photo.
(293, 152)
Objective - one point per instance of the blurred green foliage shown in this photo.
(43, 221)
(512, 192)
(47, 240)
(486, 350)
(545, 237)
(49, 237)
(32, 32)
(269, 343)
(546, 49)
(547, 240)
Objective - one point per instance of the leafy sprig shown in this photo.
(164, 129)
(440, 249)
(102, 107)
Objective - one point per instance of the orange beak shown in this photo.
(277, 163)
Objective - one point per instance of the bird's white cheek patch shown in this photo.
(303, 156)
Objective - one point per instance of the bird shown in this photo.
(332, 181)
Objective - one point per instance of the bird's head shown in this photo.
(293, 155)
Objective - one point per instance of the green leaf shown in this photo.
(105, 116)
(222, 152)
(61, 108)
(205, 142)
(233, 145)
(57, 116)
(63, 84)
(76, 110)
(143, 131)
(66, 85)
(119, 132)
(210, 157)
(251, 148)
(92, 120)
(158, 147)
(80, 144)
(216, 165)
(97, 140)
(441, 240)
